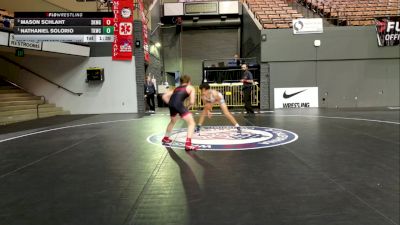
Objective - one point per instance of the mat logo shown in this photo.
(224, 138)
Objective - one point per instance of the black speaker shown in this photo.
(137, 44)
(95, 75)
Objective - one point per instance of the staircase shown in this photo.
(17, 105)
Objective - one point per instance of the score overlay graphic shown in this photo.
(64, 26)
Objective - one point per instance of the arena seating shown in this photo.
(273, 13)
(353, 12)
(278, 14)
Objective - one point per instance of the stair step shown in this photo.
(31, 116)
(29, 111)
(7, 87)
(14, 90)
(15, 103)
(19, 98)
(9, 95)
(22, 107)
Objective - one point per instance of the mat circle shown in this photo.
(224, 138)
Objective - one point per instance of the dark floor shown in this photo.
(343, 169)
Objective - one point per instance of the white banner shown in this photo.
(298, 97)
(36, 45)
(308, 26)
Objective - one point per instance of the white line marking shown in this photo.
(266, 111)
(213, 113)
(327, 117)
(394, 107)
(115, 121)
(43, 158)
(344, 118)
(66, 127)
(337, 117)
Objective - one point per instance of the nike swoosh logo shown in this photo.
(291, 95)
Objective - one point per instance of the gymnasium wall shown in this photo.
(349, 68)
(171, 49)
(117, 94)
(206, 44)
(250, 38)
(186, 50)
(155, 66)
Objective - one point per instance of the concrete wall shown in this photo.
(100, 49)
(171, 49)
(139, 66)
(155, 66)
(206, 44)
(186, 50)
(250, 37)
(115, 95)
(349, 68)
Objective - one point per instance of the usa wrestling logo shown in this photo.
(223, 138)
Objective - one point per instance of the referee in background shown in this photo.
(247, 80)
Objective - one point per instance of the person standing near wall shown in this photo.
(175, 100)
(149, 92)
(247, 80)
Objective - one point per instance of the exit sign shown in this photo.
(19, 52)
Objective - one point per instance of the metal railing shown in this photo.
(228, 70)
(38, 75)
(42, 97)
(232, 93)
(228, 62)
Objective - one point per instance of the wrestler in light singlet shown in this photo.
(211, 97)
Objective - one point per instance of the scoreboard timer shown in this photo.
(67, 27)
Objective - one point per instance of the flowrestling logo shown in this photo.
(224, 138)
(388, 30)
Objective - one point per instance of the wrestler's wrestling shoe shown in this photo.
(239, 130)
(191, 148)
(166, 141)
(197, 129)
